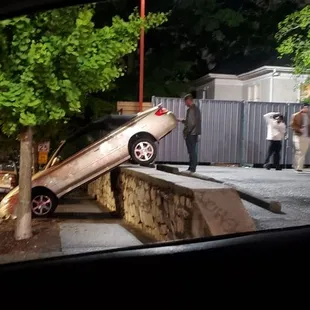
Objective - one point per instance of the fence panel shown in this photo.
(232, 132)
(255, 130)
(221, 132)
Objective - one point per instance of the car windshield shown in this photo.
(187, 120)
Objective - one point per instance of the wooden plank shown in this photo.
(128, 103)
(133, 106)
(129, 107)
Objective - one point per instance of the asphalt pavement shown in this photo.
(86, 227)
(288, 187)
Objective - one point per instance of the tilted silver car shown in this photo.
(93, 152)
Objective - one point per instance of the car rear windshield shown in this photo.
(7, 167)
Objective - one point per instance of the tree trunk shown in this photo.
(35, 155)
(23, 229)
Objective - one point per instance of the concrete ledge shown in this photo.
(270, 205)
(169, 206)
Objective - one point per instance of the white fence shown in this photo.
(232, 132)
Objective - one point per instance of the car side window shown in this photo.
(79, 143)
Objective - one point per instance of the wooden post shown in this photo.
(142, 35)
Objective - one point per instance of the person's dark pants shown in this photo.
(192, 148)
(274, 149)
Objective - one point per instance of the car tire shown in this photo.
(145, 157)
(43, 203)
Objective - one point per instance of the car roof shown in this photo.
(103, 123)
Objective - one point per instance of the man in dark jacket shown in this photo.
(192, 130)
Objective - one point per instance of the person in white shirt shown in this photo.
(276, 130)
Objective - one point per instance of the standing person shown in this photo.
(192, 129)
(300, 124)
(276, 130)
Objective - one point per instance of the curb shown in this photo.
(168, 169)
(270, 205)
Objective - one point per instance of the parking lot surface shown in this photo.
(286, 186)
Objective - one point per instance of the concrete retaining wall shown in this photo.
(170, 207)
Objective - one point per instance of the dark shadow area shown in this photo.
(282, 166)
(116, 185)
(272, 166)
(148, 166)
(83, 216)
(180, 163)
(74, 201)
(76, 196)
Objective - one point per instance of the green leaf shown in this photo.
(53, 60)
(293, 37)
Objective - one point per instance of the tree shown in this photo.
(49, 64)
(177, 51)
(294, 39)
(201, 35)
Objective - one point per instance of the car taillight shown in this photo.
(161, 111)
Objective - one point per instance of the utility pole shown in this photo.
(142, 35)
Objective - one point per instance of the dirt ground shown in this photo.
(45, 238)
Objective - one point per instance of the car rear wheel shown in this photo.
(43, 203)
(143, 151)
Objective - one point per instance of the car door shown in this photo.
(84, 158)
